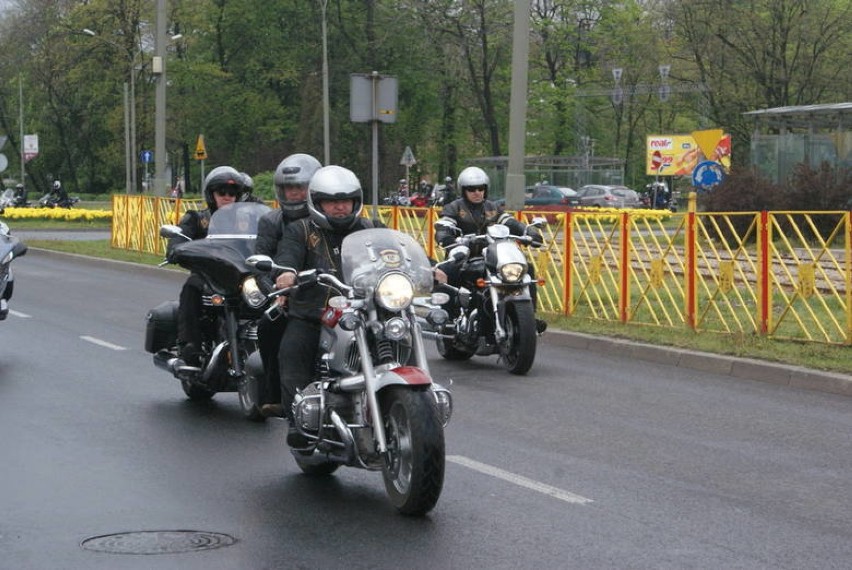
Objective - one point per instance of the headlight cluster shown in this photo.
(512, 272)
(395, 292)
(252, 294)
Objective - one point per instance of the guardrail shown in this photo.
(777, 274)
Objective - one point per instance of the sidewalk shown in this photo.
(736, 367)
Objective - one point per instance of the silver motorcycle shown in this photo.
(373, 404)
(10, 248)
(494, 312)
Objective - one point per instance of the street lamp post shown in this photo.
(325, 103)
(158, 67)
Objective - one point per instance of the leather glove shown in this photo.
(537, 239)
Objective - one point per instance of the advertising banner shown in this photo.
(30, 147)
(678, 155)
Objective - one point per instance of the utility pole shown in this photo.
(515, 179)
(159, 69)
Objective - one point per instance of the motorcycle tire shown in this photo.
(195, 392)
(250, 390)
(448, 351)
(518, 350)
(414, 465)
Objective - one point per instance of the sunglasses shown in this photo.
(475, 189)
(226, 191)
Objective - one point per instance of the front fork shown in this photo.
(231, 325)
(371, 387)
(499, 307)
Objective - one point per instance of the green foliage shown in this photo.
(248, 75)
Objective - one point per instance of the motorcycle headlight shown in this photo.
(395, 292)
(252, 294)
(396, 329)
(512, 272)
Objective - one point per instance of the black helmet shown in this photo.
(295, 170)
(334, 183)
(222, 178)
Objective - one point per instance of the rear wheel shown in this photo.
(414, 468)
(518, 349)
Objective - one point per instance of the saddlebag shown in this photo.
(161, 327)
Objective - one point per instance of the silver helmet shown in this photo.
(295, 170)
(334, 183)
(472, 176)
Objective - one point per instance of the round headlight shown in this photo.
(512, 272)
(396, 329)
(395, 292)
(252, 294)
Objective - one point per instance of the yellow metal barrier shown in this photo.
(779, 274)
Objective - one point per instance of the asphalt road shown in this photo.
(593, 460)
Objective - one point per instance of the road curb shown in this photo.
(736, 367)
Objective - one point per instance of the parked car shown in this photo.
(604, 196)
(545, 197)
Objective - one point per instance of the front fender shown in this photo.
(403, 375)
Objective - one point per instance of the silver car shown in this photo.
(602, 196)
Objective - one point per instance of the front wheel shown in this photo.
(414, 467)
(518, 349)
(248, 390)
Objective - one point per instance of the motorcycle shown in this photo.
(11, 199)
(51, 200)
(10, 248)
(373, 404)
(496, 313)
(233, 303)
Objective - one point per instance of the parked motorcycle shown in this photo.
(374, 404)
(496, 313)
(10, 248)
(233, 303)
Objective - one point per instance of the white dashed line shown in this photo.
(519, 480)
(103, 343)
(19, 314)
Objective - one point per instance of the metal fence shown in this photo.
(777, 274)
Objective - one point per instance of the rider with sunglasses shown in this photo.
(472, 213)
(223, 185)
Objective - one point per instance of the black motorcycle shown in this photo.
(52, 200)
(10, 248)
(233, 303)
(494, 312)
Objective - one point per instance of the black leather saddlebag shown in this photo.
(161, 327)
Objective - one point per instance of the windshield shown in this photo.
(236, 220)
(369, 254)
(8, 193)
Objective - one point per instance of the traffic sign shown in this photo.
(146, 156)
(707, 174)
(408, 158)
(200, 149)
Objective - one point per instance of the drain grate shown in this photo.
(157, 542)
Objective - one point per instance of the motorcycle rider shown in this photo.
(291, 179)
(335, 199)
(20, 195)
(58, 193)
(222, 186)
(472, 213)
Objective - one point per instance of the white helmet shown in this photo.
(472, 176)
(295, 170)
(334, 183)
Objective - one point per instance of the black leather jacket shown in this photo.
(270, 228)
(194, 225)
(304, 245)
(473, 219)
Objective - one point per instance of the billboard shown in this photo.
(679, 155)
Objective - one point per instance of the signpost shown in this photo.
(201, 155)
(407, 161)
(147, 157)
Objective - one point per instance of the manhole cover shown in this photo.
(157, 542)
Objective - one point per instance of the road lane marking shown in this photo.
(519, 480)
(103, 343)
(19, 314)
